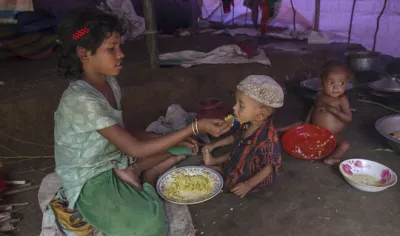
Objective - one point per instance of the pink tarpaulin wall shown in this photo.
(334, 20)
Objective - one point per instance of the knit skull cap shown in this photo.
(262, 89)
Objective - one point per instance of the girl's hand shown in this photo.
(215, 127)
(241, 189)
(192, 144)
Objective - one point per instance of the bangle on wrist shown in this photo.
(193, 130)
(197, 127)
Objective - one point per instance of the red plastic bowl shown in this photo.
(309, 142)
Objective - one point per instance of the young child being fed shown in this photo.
(256, 152)
(331, 108)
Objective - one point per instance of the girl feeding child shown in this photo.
(108, 175)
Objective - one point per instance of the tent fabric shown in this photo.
(135, 25)
(334, 20)
(171, 14)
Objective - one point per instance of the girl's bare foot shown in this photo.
(150, 176)
(130, 176)
(167, 164)
(207, 158)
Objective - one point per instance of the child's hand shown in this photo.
(208, 147)
(241, 189)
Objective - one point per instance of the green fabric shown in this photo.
(81, 153)
(179, 151)
(117, 209)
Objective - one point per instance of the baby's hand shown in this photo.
(322, 108)
(241, 189)
(331, 108)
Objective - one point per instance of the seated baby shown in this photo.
(256, 151)
(331, 108)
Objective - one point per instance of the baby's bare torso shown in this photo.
(325, 118)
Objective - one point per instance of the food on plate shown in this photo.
(184, 186)
(396, 135)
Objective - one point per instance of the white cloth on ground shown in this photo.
(176, 118)
(226, 54)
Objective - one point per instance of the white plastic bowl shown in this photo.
(366, 175)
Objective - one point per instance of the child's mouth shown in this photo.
(119, 64)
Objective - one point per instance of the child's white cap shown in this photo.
(262, 89)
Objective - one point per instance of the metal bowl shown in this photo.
(386, 84)
(387, 125)
(362, 60)
(315, 84)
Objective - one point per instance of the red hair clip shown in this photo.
(80, 33)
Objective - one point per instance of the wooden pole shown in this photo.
(377, 24)
(317, 13)
(294, 15)
(151, 32)
(351, 21)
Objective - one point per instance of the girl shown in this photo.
(113, 191)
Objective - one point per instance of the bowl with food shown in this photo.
(309, 142)
(389, 127)
(366, 175)
(189, 185)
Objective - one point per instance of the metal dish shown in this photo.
(315, 84)
(362, 60)
(387, 125)
(388, 84)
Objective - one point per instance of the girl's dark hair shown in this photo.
(101, 25)
(332, 66)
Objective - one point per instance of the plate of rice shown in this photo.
(189, 185)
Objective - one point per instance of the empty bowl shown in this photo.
(309, 142)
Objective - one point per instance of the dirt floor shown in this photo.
(307, 198)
